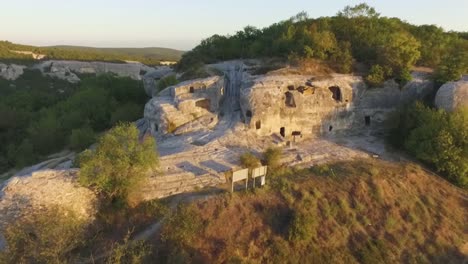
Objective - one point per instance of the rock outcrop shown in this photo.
(43, 189)
(151, 78)
(287, 105)
(452, 95)
(22, 195)
(11, 72)
(68, 70)
(188, 106)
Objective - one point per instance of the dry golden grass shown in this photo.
(359, 212)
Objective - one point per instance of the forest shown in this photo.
(387, 47)
(43, 115)
(148, 56)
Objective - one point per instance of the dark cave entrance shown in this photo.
(283, 132)
(289, 100)
(367, 120)
(258, 124)
(336, 93)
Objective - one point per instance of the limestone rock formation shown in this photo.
(185, 107)
(290, 106)
(452, 95)
(23, 194)
(151, 78)
(67, 70)
(45, 188)
(11, 72)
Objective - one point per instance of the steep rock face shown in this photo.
(296, 104)
(11, 72)
(185, 107)
(452, 95)
(303, 105)
(287, 105)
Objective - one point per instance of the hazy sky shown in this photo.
(182, 24)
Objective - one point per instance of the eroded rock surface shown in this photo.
(43, 189)
(452, 95)
(21, 195)
(11, 72)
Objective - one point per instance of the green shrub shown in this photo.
(129, 112)
(119, 164)
(182, 227)
(303, 225)
(272, 157)
(128, 252)
(166, 82)
(249, 160)
(435, 137)
(82, 138)
(376, 76)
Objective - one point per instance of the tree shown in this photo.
(435, 137)
(400, 53)
(166, 82)
(24, 154)
(119, 164)
(82, 138)
(360, 10)
(377, 75)
(454, 64)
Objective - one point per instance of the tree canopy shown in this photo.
(119, 164)
(356, 34)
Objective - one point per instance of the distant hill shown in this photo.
(164, 54)
(151, 55)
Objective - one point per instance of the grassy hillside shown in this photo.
(150, 56)
(358, 212)
(150, 52)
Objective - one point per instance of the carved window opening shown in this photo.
(367, 120)
(192, 90)
(155, 127)
(289, 100)
(330, 128)
(258, 124)
(336, 93)
(283, 132)
(248, 113)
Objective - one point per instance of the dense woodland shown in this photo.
(148, 56)
(43, 115)
(389, 47)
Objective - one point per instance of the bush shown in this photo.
(127, 113)
(129, 253)
(43, 237)
(376, 76)
(272, 156)
(119, 164)
(249, 160)
(166, 82)
(303, 225)
(82, 138)
(435, 137)
(182, 227)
